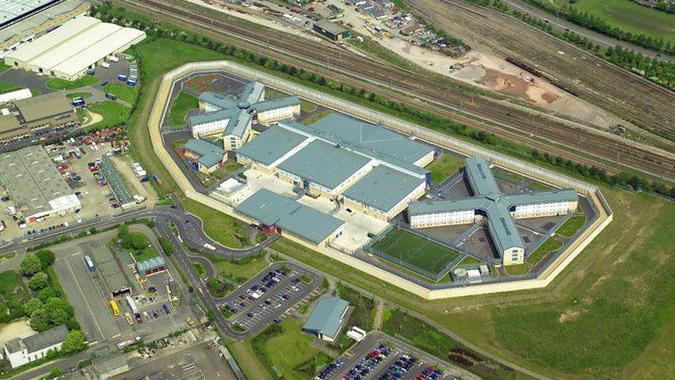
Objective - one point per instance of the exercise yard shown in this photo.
(414, 252)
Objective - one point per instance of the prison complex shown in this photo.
(498, 208)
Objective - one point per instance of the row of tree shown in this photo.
(401, 110)
(598, 24)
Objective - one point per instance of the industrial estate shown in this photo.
(340, 189)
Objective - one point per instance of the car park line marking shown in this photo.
(93, 317)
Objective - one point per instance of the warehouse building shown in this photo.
(35, 19)
(498, 208)
(12, 96)
(109, 270)
(232, 118)
(77, 46)
(35, 185)
(117, 184)
(277, 213)
(10, 128)
(46, 111)
(327, 318)
(209, 157)
(331, 30)
(21, 351)
(365, 167)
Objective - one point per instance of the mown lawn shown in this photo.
(220, 227)
(182, 105)
(123, 92)
(546, 247)
(290, 349)
(113, 113)
(62, 84)
(443, 167)
(571, 225)
(8, 87)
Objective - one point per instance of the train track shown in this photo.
(633, 98)
(353, 69)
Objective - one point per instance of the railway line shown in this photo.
(636, 99)
(356, 70)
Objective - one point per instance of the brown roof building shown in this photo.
(50, 110)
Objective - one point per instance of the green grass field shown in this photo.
(183, 104)
(62, 84)
(123, 92)
(8, 87)
(415, 250)
(629, 16)
(288, 350)
(113, 113)
(9, 281)
(571, 226)
(545, 248)
(220, 227)
(443, 167)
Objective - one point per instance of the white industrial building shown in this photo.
(12, 96)
(77, 46)
(21, 351)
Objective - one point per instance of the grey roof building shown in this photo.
(327, 318)
(271, 145)
(106, 265)
(496, 206)
(209, 154)
(50, 109)
(383, 188)
(273, 104)
(218, 100)
(34, 183)
(21, 351)
(272, 209)
(324, 164)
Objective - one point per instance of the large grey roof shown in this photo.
(271, 145)
(326, 316)
(109, 270)
(14, 10)
(218, 100)
(383, 188)
(44, 106)
(270, 209)
(480, 176)
(276, 103)
(324, 164)
(209, 154)
(373, 137)
(46, 338)
(32, 179)
(210, 117)
(237, 125)
(116, 182)
(252, 93)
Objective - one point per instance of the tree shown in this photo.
(46, 257)
(74, 342)
(39, 281)
(57, 303)
(30, 265)
(32, 305)
(39, 320)
(46, 294)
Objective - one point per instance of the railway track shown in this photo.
(354, 69)
(634, 98)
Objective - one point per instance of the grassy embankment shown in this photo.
(443, 167)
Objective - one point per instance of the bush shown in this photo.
(46, 257)
(46, 294)
(74, 342)
(30, 265)
(166, 245)
(39, 320)
(32, 305)
(38, 281)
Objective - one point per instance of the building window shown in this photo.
(514, 257)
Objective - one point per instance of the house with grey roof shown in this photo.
(232, 117)
(279, 214)
(498, 209)
(21, 351)
(208, 156)
(327, 318)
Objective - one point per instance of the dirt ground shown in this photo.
(16, 329)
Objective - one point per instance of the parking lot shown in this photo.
(382, 357)
(268, 296)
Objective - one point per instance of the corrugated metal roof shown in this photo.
(252, 93)
(210, 154)
(370, 136)
(271, 145)
(149, 264)
(480, 176)
(324, 164)
(238, 124)
(326, 318)
(44, 106)
(270, 209)
(383, 188)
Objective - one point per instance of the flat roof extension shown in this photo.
(383, 188)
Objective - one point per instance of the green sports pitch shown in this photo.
(415, 251)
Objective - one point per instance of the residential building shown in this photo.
(22, 351)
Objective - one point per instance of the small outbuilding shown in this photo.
(331, 30)
(327, 318)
